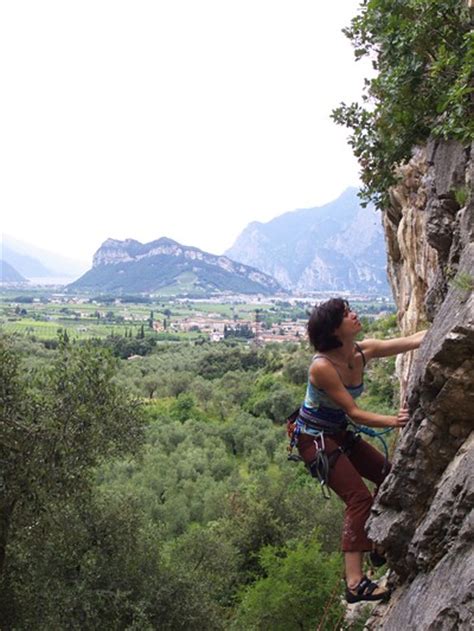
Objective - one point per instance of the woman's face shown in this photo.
(350, 324)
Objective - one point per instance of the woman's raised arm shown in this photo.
(386, 348)
(325, 375)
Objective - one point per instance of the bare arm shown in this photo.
(324, 374)
(386, 348)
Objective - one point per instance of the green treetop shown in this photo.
(423, 53)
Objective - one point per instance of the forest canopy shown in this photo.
(130, 482)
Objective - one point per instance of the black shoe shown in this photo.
(365, 591)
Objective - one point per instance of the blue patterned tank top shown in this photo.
(316, 397)
(319, 412)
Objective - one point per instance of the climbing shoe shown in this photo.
(365, 590)
(377, 559)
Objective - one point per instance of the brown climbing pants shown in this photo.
(345, 479)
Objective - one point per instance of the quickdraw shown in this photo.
(320, 465)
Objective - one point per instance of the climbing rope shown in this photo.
(358, 429)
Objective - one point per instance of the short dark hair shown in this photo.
(323, 321)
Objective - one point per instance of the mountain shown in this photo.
(164, 265)
(338, 246)
(9, 274)
(35, 262)
(27, 265)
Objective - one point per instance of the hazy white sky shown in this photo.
(178, 118)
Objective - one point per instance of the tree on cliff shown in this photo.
(423, 53)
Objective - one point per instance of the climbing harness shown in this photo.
(322, 463)
(319, 466)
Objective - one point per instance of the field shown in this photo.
(49, 330)
(41, 314)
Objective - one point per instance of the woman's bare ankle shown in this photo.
(353, 582)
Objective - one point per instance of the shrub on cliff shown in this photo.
(423, 53)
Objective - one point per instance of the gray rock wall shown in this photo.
(424, 511)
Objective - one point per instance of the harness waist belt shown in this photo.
(325, 419)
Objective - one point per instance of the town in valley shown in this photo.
(42, 312)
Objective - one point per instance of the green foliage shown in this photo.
(381, 387)
(213, 557)
(201, 528)
(461, 196)
(60, 422)
(125, 347)
(300, 587)
(423, 53)
(384, 327)
(100, 565)
(57, 424)
(296, 368)
(184, 408)
(463, 281)
(277, 506)
(217, 361)
(274, 398)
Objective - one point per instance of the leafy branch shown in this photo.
(423, 51)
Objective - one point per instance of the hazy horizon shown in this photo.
(32, 249)
(186, 121)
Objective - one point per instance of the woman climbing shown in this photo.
(335, 380)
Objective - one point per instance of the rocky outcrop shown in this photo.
(423, 515)
(134, 267)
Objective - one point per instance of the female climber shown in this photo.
(335, 380)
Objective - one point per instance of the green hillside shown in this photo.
(166, 266)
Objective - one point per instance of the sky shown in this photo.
(180, 118)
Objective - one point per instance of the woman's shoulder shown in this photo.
(367, 344)
(320, 360)
(320, 364)
(368, 348)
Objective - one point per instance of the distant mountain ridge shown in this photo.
(34, 262)
(27, 265)
(131, 266)
(9, 274)
(338, 246)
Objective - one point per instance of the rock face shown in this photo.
(336, 247)
(423, 515)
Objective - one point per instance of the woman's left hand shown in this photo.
(402, 418)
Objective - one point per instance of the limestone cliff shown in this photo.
(424, 511)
